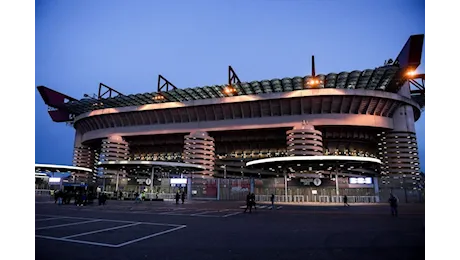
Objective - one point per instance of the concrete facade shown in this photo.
(340, 122)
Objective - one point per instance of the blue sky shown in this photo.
(126, 44)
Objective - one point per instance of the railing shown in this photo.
(148, 196)
(317, 199)
(42, 192)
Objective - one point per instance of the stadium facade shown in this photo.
(369, 113)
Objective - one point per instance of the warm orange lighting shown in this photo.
(314, 82)
(411, 73)
(159, 97)
(229, 90)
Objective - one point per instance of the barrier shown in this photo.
(42, 192)
(317, 199)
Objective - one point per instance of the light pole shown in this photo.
(337, 183)
(225, 170)
(152, 178)
(116, 183)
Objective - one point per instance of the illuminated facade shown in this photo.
(369, 113)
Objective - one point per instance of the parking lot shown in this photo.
(220, 230)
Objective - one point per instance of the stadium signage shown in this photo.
(307, 182)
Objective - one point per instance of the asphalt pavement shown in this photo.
(220, 230)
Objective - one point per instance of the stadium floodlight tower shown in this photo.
(315, 80)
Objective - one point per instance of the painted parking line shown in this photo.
(204, 213)
(101, 230)
(76, 241)
(46, 219)
(174, 227)
(150, 236)
(231, 214)
(68, 224)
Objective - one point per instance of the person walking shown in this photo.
(248, 203)
(345, 200)
(183, 197)
(253, 200)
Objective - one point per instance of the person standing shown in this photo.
(272, 199)
(177, 197)
(393, 205)
(183, 197)
(248, 203)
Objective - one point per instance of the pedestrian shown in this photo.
(393, 205)
(345, 200)
(248, 203)
(183, 197)
(272, 199)
(177, 197)
(253, 200)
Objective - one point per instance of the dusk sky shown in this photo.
(126, 44)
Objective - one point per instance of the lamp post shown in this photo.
(151, 179)
(225, 170)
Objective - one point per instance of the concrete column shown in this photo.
(189, 188)
(116, 184)
(251, 184)
(285, 188)
(337, 183)
(376, 189)
(152, 179)
(218, 188)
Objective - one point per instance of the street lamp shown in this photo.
(225, 170)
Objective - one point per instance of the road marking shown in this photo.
(190, 215)
(120, 221)
(76, 241)
(231, 214)
(203, 213)
(150, 236)
(100, 230)
(69, 224)
(46, 219)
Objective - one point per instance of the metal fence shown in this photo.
(317, 198)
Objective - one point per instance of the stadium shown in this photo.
(310, 138)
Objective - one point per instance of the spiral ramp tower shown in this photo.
(85, 156)
(304, 140)
(399, 149)
(199, 149)
(114, 148)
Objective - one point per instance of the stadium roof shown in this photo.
(376, 79)
(389, 77)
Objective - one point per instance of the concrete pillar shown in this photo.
(189, 188)
(285, 188)
(251, 183)
(376, 189)
(218, 188)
